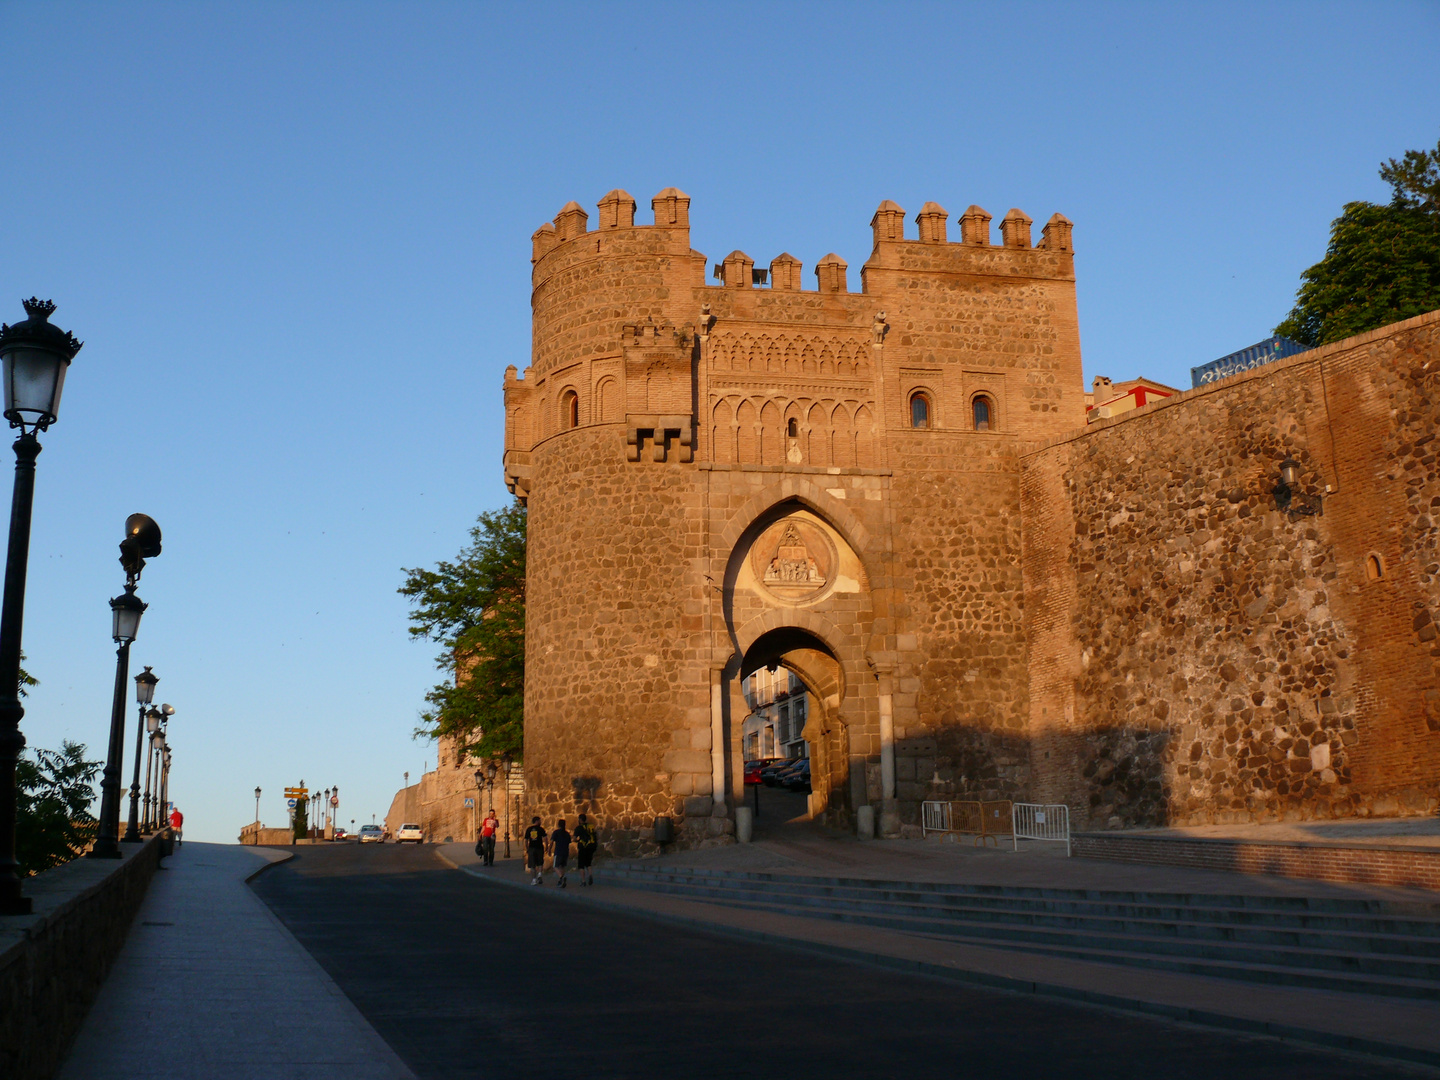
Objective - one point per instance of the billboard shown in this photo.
(1256, 355)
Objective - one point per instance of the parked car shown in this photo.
(409, 833)
(798, 778)
(769, 775)
(372, 834)
(754, 768)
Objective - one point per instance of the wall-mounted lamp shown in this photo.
(1290, 499)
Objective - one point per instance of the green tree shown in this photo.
(1383, 262)
(474, 608)
(300, 824)
(53, 823)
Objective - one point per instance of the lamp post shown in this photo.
(147, 809)
(165, 777)
(144, 694)
(508, 766)
(159, 722)
(142, 541)
(257, 814)
(334, 808)
(34, 356)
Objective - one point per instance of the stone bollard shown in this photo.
(865, 823)
(889, 820)
(744, 824)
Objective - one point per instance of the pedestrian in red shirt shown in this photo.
(177, 819)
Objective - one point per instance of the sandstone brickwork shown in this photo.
(893, 494)
(669, 433)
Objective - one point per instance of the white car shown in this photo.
(410, 832)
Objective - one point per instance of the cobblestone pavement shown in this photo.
(465, 978)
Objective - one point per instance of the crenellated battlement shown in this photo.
(635, 331)
(671, 210)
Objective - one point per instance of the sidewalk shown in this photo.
(1386, 1027)
(211, 986)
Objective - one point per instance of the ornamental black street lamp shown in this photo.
(156, 722)
(34, 357)
(153, 718)
(144, 694)
(257, 814)
(142, 541)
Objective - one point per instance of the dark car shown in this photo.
(798, 778)
(769, 776)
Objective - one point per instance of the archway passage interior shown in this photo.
(801, 652)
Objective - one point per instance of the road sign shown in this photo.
(297, 792)
(334, 800)
(469, 803)
(290, 803)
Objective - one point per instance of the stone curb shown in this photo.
(1201, 1017)
(286, 857)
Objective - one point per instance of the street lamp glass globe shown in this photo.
(145, 686)
(34, 379)
(125, 611)
(257, 792)
(1290, 472)
(152, 720)
(34, 356)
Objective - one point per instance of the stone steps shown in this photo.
(1363, 946)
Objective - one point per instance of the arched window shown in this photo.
(792, 429)
(920, 410)
(1374, 567)
(569, 409)
(984, 413)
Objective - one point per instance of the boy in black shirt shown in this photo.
(535, 850)
(586, 841)
(560, 850)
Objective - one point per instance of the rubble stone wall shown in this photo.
(1198, 654)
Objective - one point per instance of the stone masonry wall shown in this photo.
(664, 423)
(1198, 655)
(53, 962)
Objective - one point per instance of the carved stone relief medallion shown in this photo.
(794, 561)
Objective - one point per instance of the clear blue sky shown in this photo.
(295, 239)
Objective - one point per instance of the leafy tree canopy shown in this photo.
(474, 608)
(1383, 262)
(53, 822)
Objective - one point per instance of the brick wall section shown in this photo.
(55, 961)
(1391, 867)
(1198, 655)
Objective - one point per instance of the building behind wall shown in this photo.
(893, 495)
(775, 727)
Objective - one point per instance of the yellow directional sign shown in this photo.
(296, 792)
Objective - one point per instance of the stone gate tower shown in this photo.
(755, 473)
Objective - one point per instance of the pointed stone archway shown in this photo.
(797, 595)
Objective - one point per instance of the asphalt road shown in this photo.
(465, 978)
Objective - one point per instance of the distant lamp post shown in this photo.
(1289, 497)
(153, 717)
(142, 541)
(144, 694)
(257, 814)
(509, 764)
(335, 807)
(34, 357)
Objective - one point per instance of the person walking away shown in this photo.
(485, 847)
(535, 850)
(586, 841)
(177, 820)
(560, 850)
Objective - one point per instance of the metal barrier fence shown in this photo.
(968, 817)
(1041, 821)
